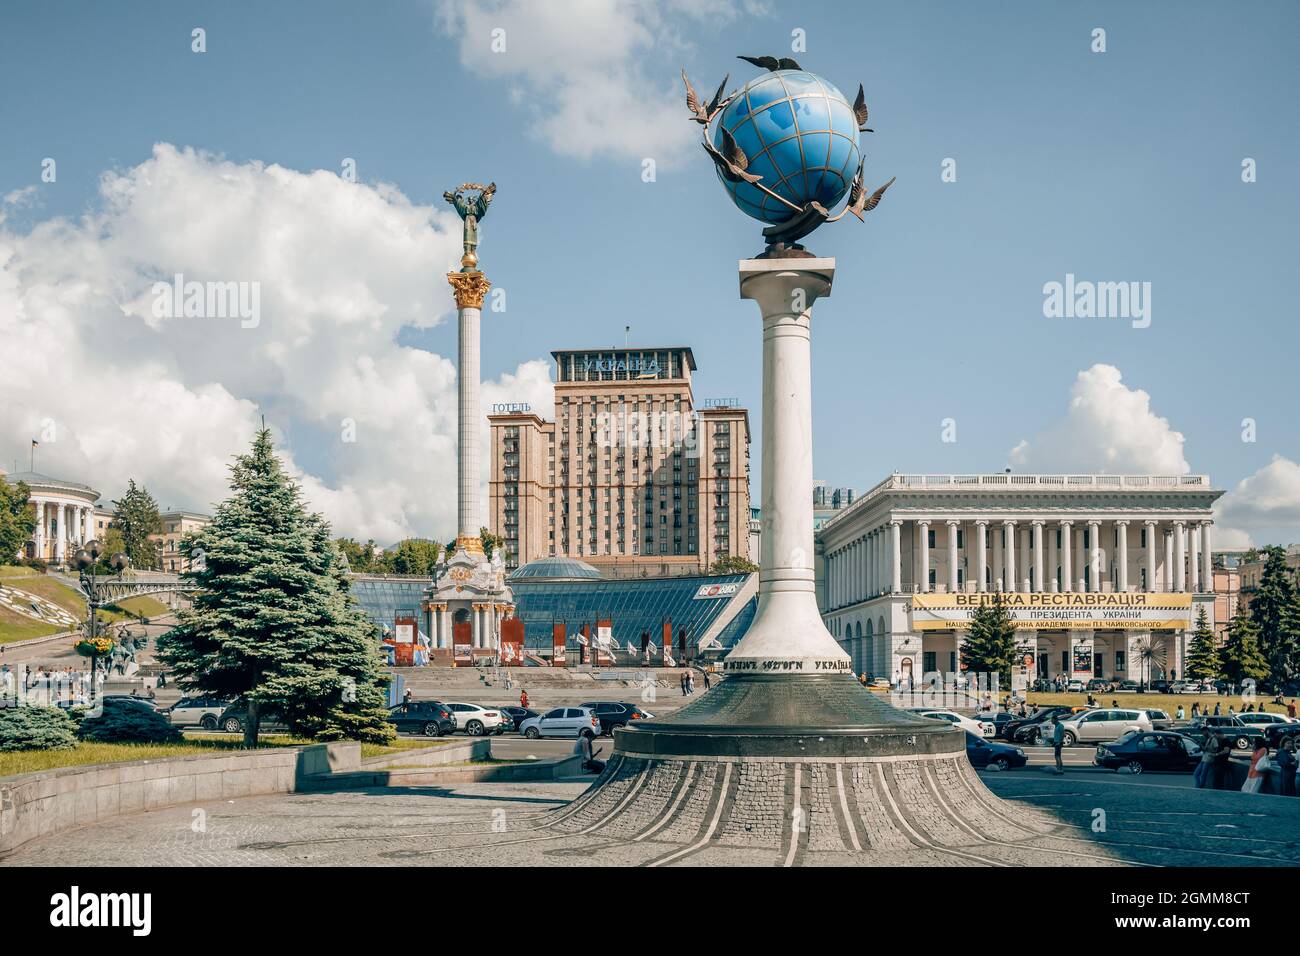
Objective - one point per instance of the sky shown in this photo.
(307, 146)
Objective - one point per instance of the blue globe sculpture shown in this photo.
(800, 135)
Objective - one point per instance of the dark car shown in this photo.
(994, 756)
(517, 715)
(1097, 683)
(1127, 687)
(613, 714)
(1274, 734)
(999, 720)
(1240, 736)
(427, 717)
(1026, 730)
(234, 717)
(1139, 751)
(1160, 686)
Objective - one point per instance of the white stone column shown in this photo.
(469, 287)
(1081, 584)
(787, 626)
(896, 555)
(443, 636)
(923, 557)
(1207, 559)
(38, 534)
(1121, 556)
(475, 634)
(999, 569)
(61, 531)
(88, 531)
(953, 526)
(1180, 556)
(1194, 553)
(1008, 555)
(1067, 554)
(1094, 555)
(1152, 584)
(1167, 578)
(982, 561)
(1025, 584)
(1039, 581)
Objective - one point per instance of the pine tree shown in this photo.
(1203, 661)
(273, 622)
(1241, 654)
(990, 644)
(17, 521)
(135, 514)
(1275, 612)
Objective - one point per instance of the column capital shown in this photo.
(1066, 522)
(1179, 523)
(1038, 522)
(895, 522)
(1008, 522)
(982, 522)
(1149, 522)
(1121, 522)
(1206, 522)
(950, 522)
(469, 288)
(1094, 522)
(925, 521)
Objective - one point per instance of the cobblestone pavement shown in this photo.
(1098, 820)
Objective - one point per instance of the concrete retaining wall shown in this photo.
(454, 751)
(39, 804)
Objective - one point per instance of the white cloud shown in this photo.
(597, 78)
(1259, 505)
(342, 268)
(1108, 428)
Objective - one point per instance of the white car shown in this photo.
(475, 720)
(1103, 724)
(979, 728)
(196, 712)
(1264, 719)
(1076, 686)
(562, 722)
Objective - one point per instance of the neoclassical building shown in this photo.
(1104, 574)
(65, 515)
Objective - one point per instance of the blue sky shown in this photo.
(1115, 166)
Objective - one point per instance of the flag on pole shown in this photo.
(582, 639)
(668, 659)
(651, 649)
(631, 648)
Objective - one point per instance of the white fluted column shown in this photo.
(1038, 557)
(952, 554)
(1180, 556)
(1094, 555)
(1067, 556)
(60, 531)
(88, 529)
(1008, 555)
(1121, 556)
(1194, 554)
(923, 558)
(787, 628)
(1207, 559)
(1152, 584)
(1025, 585)
(896, 555)
(39, 532)
(1167, 579)
(982, 561)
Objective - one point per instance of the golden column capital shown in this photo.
(469, 288)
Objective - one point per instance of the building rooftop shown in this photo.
(35, 478)
(558, 568)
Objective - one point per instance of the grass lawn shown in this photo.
(194, 745)
(19, 627)
(1166, 702)
(54, 591)
(16, 571)
(145, 606)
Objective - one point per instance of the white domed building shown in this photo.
(65, 516)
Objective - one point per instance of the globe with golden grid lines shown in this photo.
(800, 135)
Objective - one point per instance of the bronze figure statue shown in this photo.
(470, 200)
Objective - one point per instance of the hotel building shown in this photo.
(631, 477)
(1104, 574)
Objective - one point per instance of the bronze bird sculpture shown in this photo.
(704, 114)
(859, 201)
(860, 111)
(771, 62)
(732, 162)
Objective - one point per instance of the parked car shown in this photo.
(473, 719)
(986, 754)
(1075, 686)
(234, 717)
(196, 712)
(1127, 687)
(968, 724)
(1274, 734)
(135, 699)
(1137, 752)
(1098, 684)
(1240, 736)
(562, 722)
(613, 714)
(1183, 687)
(428, 717)
(1159, 720)
(1160, 686)
(1102, 724)
(999, 719)
(1027, 729)
(517, 715)
(1264, 719)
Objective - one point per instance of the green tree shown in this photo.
(1275, 612)
(16, 522)
(273, 621)
(362, 558)
(490, 543)
(135, 514)
(1203, 661)
(413, 556)
(1241, 655)
(990, 646)
(732, 564)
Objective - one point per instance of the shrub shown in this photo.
(36, 728)
(36, 563)
(128, 722)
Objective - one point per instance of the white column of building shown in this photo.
(1207, 556)
(1167, 577)
(1180, 556)
(1026, 584)
(873, 563)
(982, 559)
(1121, 556)
(1195, 556)
(1038, 558)
(61, 534)
(1067, 555)
(1152, 584)
(1008, 555)
(896, 555)
(39, 532)
(999, 562)
(88, 531)
(1094, 555)
(923, 559)
(475, 631)
(859, 569)
(952, 554)
(1081, 584)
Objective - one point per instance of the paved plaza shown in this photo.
(1154, 821)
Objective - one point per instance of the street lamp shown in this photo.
(92, 645)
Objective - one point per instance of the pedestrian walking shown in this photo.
(1286, 763)
(523, 698)
(1222, 764)
(1203, 775)
(1218, 710)
(1196, 709)
(1290, 709)
(1258, 769)
(682, 681)
(690, 682)
(706, 681)
(1179, 714)
(1058, 740)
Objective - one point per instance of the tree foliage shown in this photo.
(128, 722)
(136, 516)
(1241, 655)
(36, 728)
(1275, 612)
(732, 564)
(273, 622)
(1203, 661)
(990, 646)
(17, 521)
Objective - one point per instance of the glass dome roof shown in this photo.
(555, 569)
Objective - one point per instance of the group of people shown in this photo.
(1214, 772)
